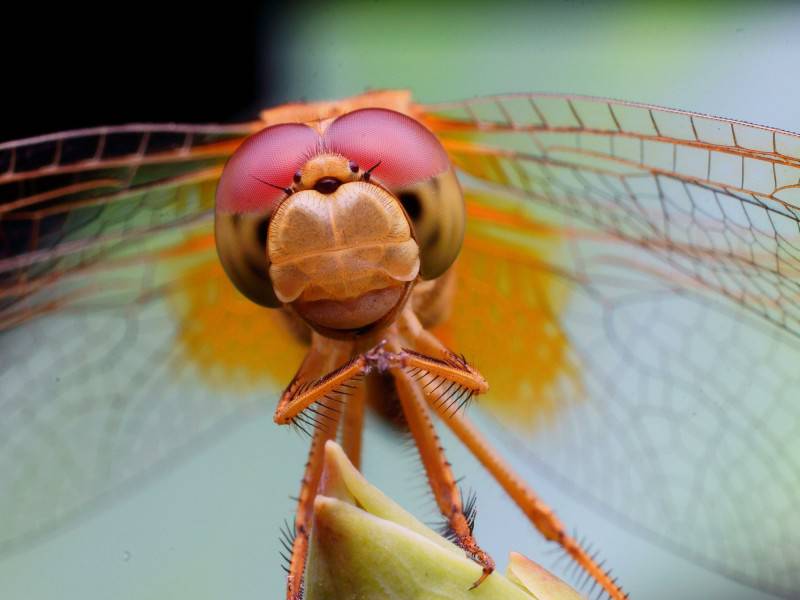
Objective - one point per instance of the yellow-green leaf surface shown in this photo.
(364, 546)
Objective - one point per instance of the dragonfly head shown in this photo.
(339, 225)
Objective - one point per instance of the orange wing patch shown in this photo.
(234, 343)
(506, 314)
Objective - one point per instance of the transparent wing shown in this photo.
(635, 272)
(140, 347)
(69, 201)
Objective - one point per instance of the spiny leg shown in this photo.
(353, 423)
(305, 505)
(451, 380)
(325, 394)
(442, 372)
(437, 468)
(305, 391)
(317, 381)
(322, 357)
(538, 513)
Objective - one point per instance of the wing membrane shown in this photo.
(71, 200)
(718, 199)
(105, 237)
(645, 265)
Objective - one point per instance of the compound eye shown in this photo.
(245, 203)
(269, 158)
(407, 151)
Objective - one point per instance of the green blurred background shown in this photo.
(208, 528)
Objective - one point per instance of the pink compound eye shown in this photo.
(407, 151)
(271, 156)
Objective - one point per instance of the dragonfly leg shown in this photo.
(305, 507)
(319, 381)
(353, 425)
(440, 477)
(305, 390)
(445, 375)
(452, 381)
(539, 514)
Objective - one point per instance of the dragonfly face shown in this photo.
(627, 283)
(340, 248)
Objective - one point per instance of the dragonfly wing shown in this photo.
(642, 268)
(72, 201)
(123, 342)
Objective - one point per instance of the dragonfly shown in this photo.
(625, 277)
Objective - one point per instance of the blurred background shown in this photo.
(208, 528)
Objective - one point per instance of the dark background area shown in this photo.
(66, 67)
